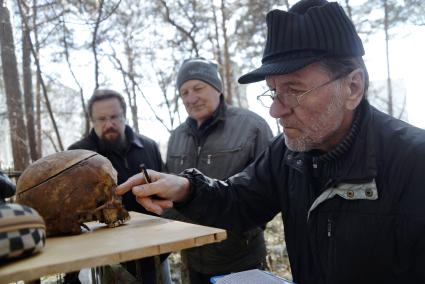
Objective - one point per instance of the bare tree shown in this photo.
(28, 89)
(39, 141)
(228, 74)
(387, 53)
(66, 51)
(250, 31)
(186, 33)
(348, 8)
(13, 92)
(393, 16)
(415, 11)
(25, 23)
(94, 43)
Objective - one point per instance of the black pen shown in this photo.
(145, 173)
(148, 179)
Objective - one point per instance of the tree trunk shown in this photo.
(28, 94)
(37, 84)
(13, 92)
(227, 63)
(95, 43)
(217, 47)
(40, 77)
(132, 95)
(348, 9)
(389, 88)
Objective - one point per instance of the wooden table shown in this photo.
(142, 236)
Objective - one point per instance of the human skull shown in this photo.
(72, 187)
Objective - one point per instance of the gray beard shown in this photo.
(307, 143)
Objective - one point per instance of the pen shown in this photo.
(145, 173)
(148, 179)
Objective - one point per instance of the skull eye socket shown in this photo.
(100, 201)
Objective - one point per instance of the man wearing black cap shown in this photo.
(213, 141)
(347, 178)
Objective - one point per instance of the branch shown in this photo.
(178, 27)
(39, 73)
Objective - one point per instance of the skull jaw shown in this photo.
(113, 217)
(111, 213)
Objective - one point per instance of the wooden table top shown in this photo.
(142, 236)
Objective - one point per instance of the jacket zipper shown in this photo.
(314, 163)
(329, 228)
(330, 261)
(198, 154)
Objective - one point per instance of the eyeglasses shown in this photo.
(115, 119)
(291, 98)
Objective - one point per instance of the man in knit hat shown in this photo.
(347, 178)
(212, 141)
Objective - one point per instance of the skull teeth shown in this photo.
(116, 223)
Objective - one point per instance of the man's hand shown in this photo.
(170, 188)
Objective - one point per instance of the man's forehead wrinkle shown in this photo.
(293, 79)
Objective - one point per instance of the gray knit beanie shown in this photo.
(199, 68)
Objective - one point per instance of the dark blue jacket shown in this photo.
(354, 215)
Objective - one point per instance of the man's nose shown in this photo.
(191, 98)
(279, 109)
(108, 122)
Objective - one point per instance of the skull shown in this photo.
(72, 187)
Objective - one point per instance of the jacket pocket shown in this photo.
(176, 163)
(223, 163)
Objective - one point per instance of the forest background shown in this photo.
(54, 53)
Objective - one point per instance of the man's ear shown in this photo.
(355, 81)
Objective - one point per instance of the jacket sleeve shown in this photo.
(242, 202)
(419, 260)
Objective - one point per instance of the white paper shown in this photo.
(254, 276)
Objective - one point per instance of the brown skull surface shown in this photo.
(72, 187)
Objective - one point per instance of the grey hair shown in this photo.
(344, 65)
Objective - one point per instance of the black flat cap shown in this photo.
(308, 32)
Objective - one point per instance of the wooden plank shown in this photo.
(142, 236)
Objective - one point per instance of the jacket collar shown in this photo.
(132, 137)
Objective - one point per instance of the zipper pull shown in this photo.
(314, 164)
(199, 149)
(329, 228)
(181, 161)
(209, 159)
